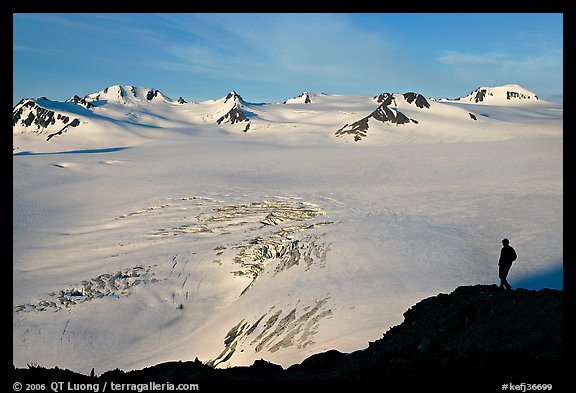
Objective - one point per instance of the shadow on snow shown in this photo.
(551, 278)
(84, 151)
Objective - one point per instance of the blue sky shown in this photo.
(272, 57)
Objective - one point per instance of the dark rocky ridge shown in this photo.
(81, 101)
(476, 338)
(234, 97)
(31, 114)
(233, 116)
(236, 114)
(418, 99)
(383, 114)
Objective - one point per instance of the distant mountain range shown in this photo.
(129, 105)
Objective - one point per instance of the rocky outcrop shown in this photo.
(126, 95)
(477, 338)
(417, 99)
(53, 118)
(30, 116)
(303, 98)
(233, 96)
(410, 97)
(275, 330)
(235, 114)
(80, 101)
(386, 113)
(510, 93)
(518, 95)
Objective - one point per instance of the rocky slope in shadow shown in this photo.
(477, 338)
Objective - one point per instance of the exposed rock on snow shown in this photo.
(119, 107)
(232, 111)
(233, 96)
(384, 114)
(418, 100)
(30, 116)
(275, 330)
(126, 95)
(80, 101)
(73, 123)
(479, 333)
(233, 116)
(510, 93)
(303, 98)
(389, 99)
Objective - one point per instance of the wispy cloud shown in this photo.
(541, 69)
(36, 50)
(504, 60)
(80, 23)
(458, 59)
(270, 47)
(278, 53)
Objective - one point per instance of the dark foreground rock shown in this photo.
(477, 338)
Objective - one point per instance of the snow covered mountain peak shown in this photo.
(233, 96)
(123, 109)
(500, 95)
(390, 111)
(43, 116)
(127, 94)
(303, 98)
(230, 109)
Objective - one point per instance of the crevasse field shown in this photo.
(151, 233)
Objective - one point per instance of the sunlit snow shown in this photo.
(150, 232)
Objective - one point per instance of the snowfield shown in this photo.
(157, 230)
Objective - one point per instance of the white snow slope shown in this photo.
(151, 233)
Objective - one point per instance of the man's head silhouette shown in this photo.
(505, 242)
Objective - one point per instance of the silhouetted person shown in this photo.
(507, 256)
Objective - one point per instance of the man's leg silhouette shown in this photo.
(503, 273)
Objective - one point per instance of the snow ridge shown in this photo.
(126, 95)
(303, 98)
(147, 108)
(386, 113)
(497, 95)
(33, 116)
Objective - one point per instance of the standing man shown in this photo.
(507, 256)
